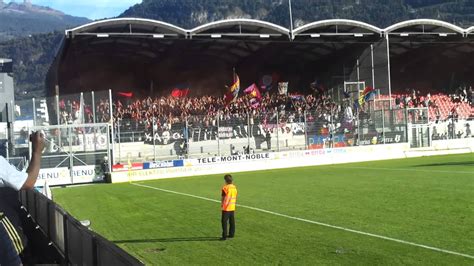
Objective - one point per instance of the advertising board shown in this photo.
(62, 175)
(163, 164)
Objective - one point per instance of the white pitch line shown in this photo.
(318, 223)
(402, 169)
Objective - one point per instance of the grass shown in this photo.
(428, 200)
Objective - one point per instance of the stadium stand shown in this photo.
(151, 57)
(167, 109)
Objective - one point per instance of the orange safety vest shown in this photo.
(230, 197)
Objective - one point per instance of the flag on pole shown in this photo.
(179, 93)
(365, 95)
(125, 94)
(233, 90)
(253, 91)
(255, 96)
(266, 83)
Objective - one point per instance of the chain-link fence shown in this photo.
(156, 136)
(277, 130)
(81, 108)
(222, 134)
(74, 153)
(452, 129)
(232, 134)
(78, 143)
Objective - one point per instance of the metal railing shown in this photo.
(76, 243)
(228, 134)
(169, 137)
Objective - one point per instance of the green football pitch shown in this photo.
(409, 211)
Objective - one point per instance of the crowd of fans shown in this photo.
(164, 113)
(414, 98)
(204, 110)
(441, 107)
(206, 113)
(70, 112)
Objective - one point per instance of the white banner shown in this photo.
(229, 159)
(225, 132)
(283, 88)
(54, 176)
(93, 142)
(62, 175)
(87, 174)
(265, 161)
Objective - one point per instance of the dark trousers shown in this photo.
(228, 216)
(8, 254)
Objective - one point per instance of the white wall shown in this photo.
(277, 160)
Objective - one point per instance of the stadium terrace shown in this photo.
(331, 83)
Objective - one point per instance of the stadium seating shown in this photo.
(445, 104)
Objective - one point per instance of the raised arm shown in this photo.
(37, 141)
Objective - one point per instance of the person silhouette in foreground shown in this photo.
(12, 240)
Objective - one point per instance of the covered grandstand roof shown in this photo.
(424, 26)
(412, 34)
(336, 27)
(470, 30)
(128, 26)
(240, 28)
(145, 54)
(262, 29)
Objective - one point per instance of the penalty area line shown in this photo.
(317, 223)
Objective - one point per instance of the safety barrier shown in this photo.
(75, 242)
(287, 159)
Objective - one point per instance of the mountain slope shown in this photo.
(382, 13)
(32, 57)
(18, 20)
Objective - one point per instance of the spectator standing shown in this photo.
(268, 138)
(228, 202)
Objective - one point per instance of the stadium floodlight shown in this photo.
(315, 35)
(443, 35)
(158, 36)
(216, 36)
(404, 34)
(102, 35)
(264, 36)
(358, 35)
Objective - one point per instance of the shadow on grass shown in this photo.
(465, 163)
(164, 240)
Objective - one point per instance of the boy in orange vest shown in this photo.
(228, 201)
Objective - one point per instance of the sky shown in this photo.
(92, 9)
